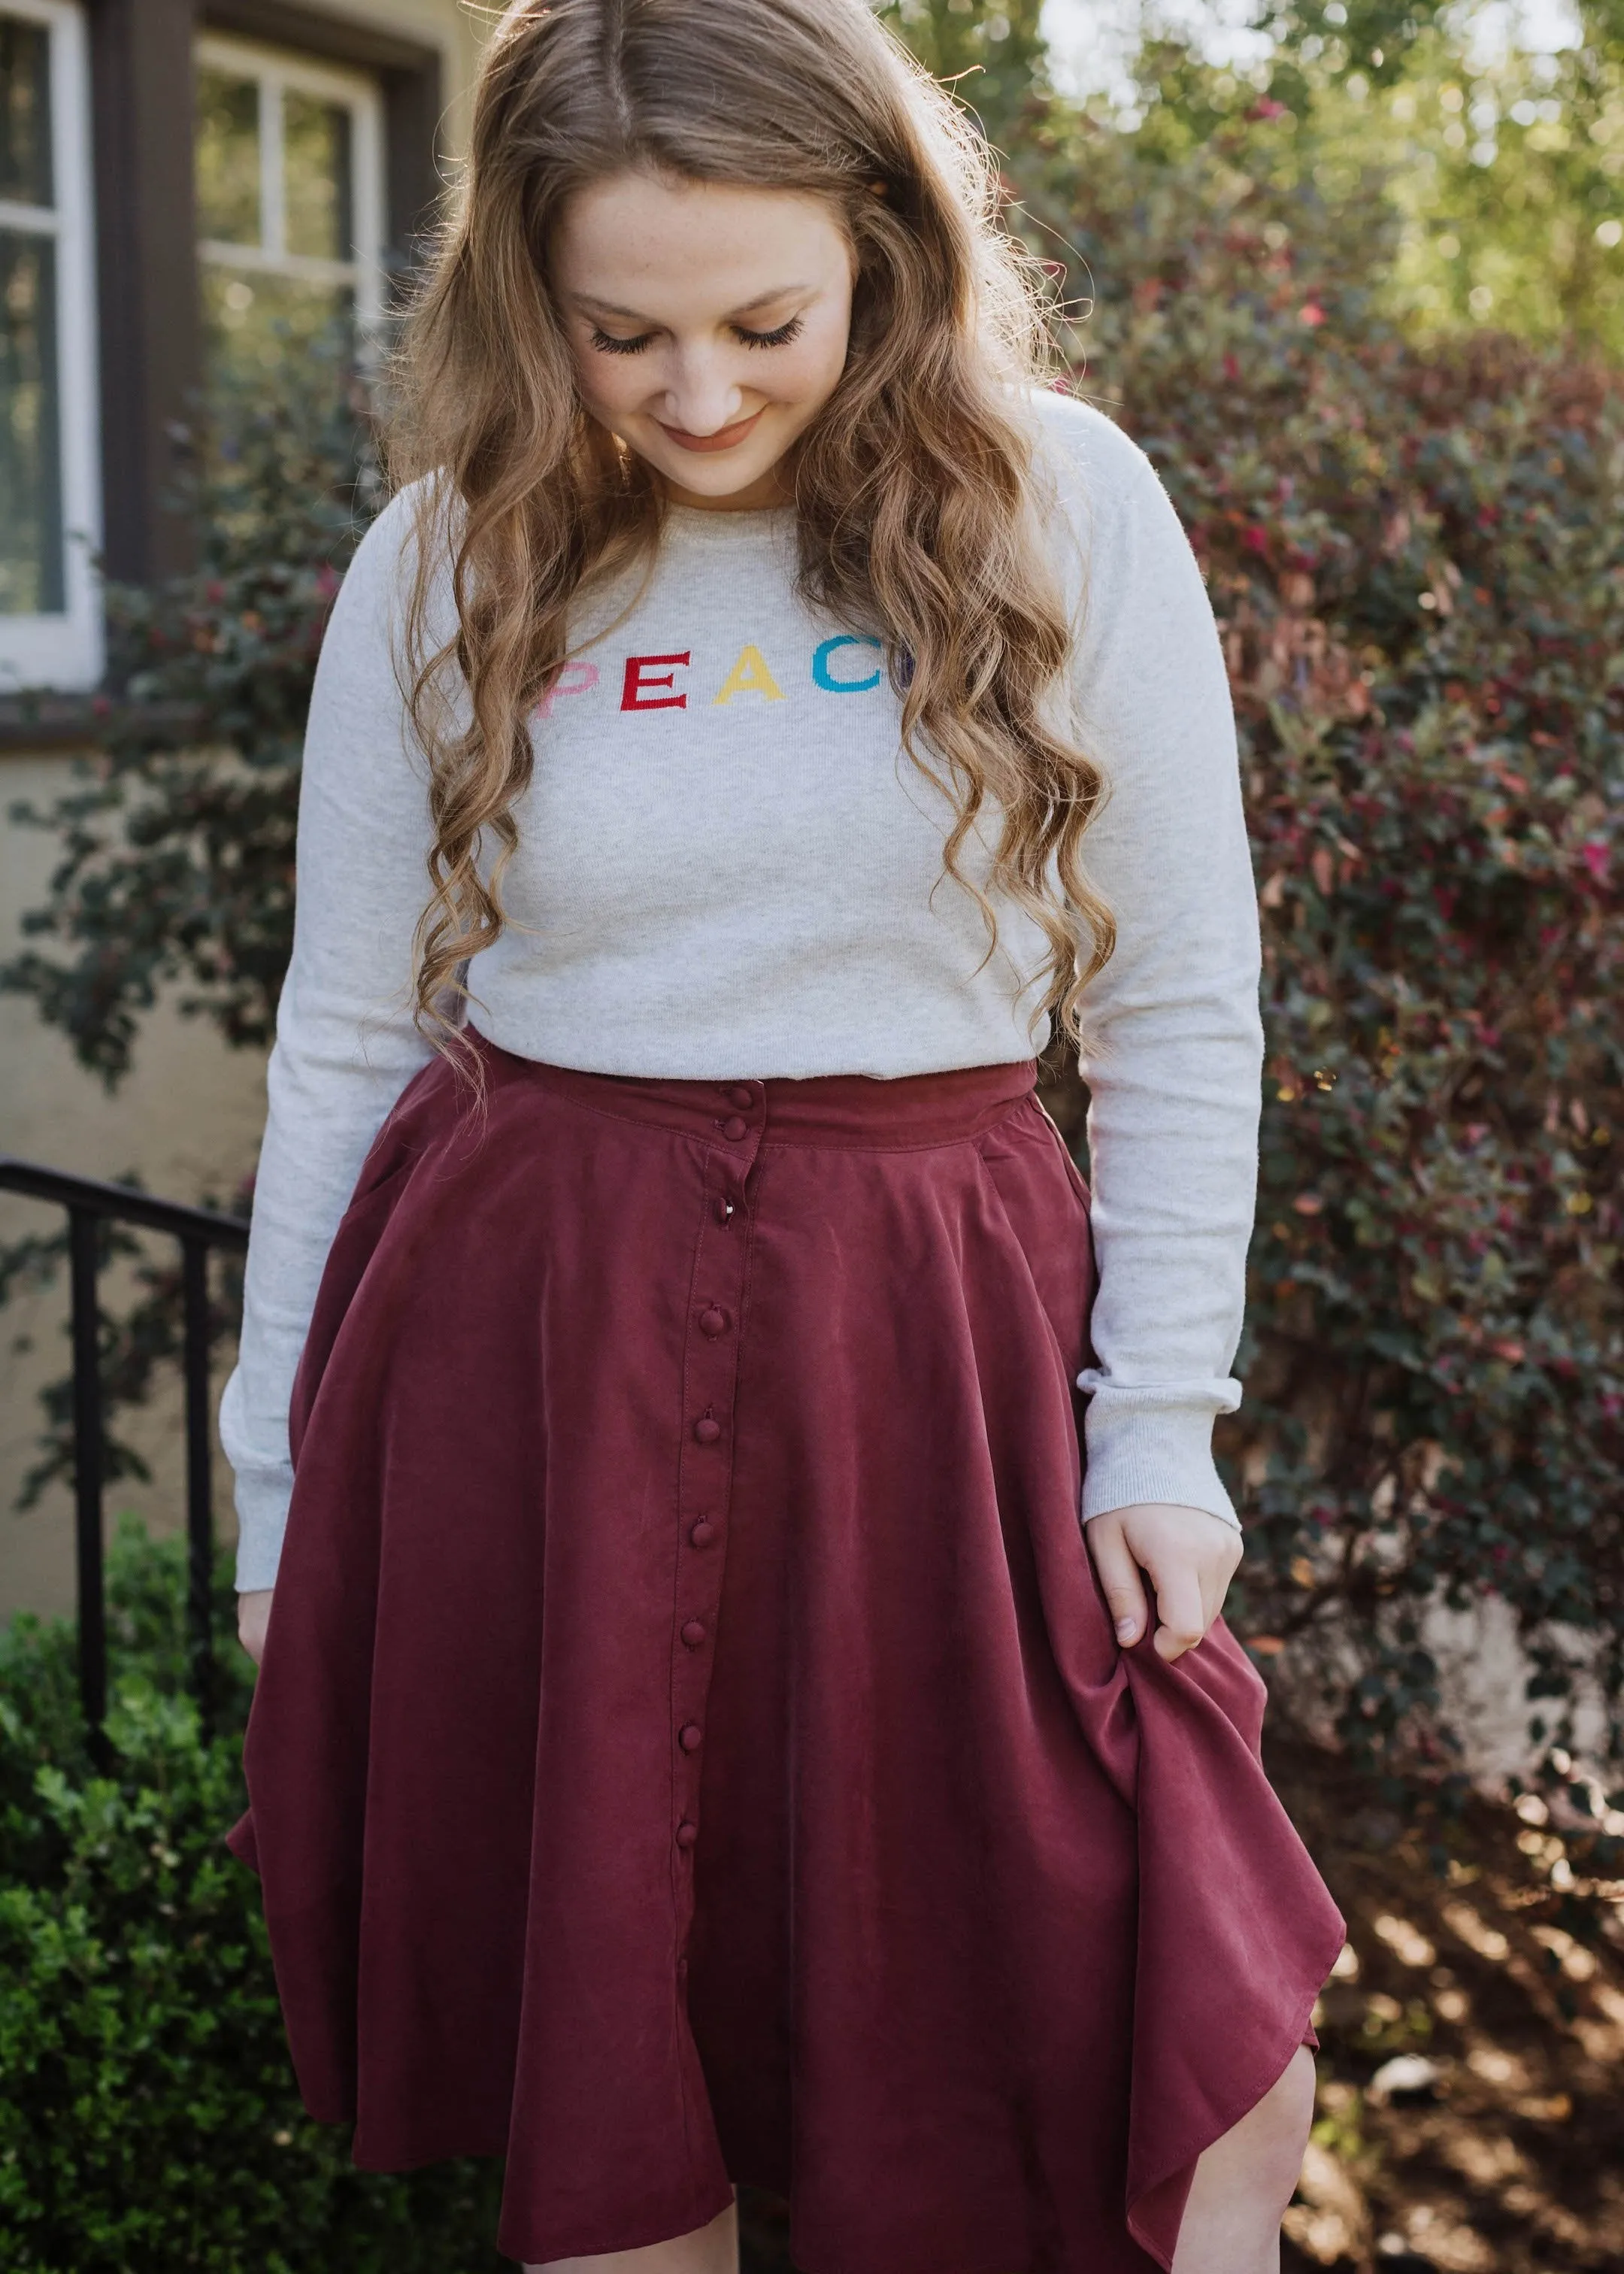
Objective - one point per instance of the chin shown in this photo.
(707, 478)
(703, 478)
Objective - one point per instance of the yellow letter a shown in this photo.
(751, 676)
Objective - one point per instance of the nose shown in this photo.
(701, 395)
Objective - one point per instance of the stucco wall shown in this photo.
(187, 1120)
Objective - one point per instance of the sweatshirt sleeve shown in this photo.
(1173, 1041)
(346, 1044)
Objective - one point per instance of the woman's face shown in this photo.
(707, 323)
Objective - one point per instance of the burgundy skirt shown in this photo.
(691, 1746)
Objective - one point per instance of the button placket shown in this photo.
(709, 1376)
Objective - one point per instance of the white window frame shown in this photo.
(66, 651)
(278, 72)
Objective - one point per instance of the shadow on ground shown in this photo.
(1471, 2118)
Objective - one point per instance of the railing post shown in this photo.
(87, 1467)
(200, 1509)
(197, 1230)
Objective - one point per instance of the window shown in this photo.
(312, 139)
(50, 520)
(290, 191)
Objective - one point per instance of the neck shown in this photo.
(773, 488)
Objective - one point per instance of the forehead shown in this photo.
(639, 241)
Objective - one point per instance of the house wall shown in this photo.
(187, 1120)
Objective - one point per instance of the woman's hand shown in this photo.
(253, 1619)
(1189, 1556)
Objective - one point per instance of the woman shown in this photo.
(694, 1743)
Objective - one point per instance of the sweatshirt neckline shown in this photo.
(694, 524)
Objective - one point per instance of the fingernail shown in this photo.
(1125, 1629)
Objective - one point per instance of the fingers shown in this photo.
(1119, 1576)
(1187, 1555)
(1217, 1573)
(1181, 1613)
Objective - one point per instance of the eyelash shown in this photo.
(606, 343)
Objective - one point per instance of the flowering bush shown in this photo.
(177, 863)
(1417, 565)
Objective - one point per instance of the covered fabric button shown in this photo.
(694, 1633)
(740, 1095)
(703, 1532)
(707, 1429)
(687, 1834)
(713, 1321)
(689, 1736)
(733, 1129)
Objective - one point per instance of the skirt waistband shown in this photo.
(843, 1111)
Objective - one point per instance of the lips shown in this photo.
(726, 437)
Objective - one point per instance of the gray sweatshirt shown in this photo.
(726, 869)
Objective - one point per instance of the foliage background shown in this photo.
(1416, 551)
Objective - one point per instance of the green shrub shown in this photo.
(149, 2120)
(1417, 560)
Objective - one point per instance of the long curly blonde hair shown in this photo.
(911, 489)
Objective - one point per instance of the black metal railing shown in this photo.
(197, 1230)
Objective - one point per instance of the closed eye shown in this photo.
(608, 344)
(781, 338)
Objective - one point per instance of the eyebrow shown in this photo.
(633, 316)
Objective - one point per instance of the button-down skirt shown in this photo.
(691, 1745)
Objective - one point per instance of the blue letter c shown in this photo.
(823, 677)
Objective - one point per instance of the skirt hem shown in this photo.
(1175, 2182)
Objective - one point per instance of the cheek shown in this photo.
(817, 363)
(609, 382)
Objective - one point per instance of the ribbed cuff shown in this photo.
(262, 1497)
(1139, 1453)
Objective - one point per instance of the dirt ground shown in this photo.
(1484, 1948)
(1483, 1953)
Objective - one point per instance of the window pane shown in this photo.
(253, 324)
(228, 158)
(316, 155)
(24, 112)
(30, 456)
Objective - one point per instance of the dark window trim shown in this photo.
(147, 299)
(408, 74)
(148, 303)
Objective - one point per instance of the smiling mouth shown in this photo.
(723, 439)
